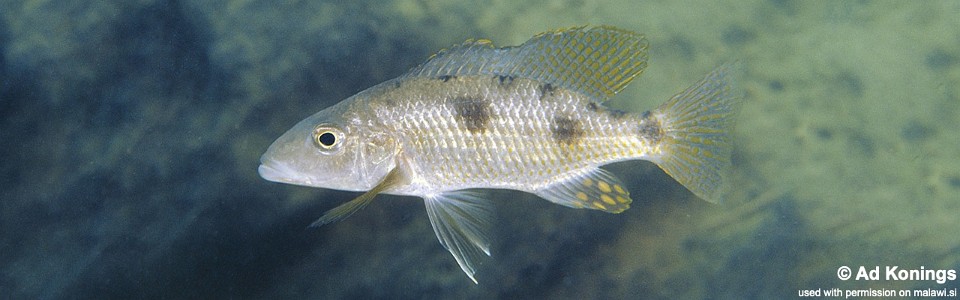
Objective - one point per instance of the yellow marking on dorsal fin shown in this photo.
(597, 61)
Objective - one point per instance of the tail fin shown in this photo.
(696, 126)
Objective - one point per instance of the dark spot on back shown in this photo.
(613, 113)
(593, 106)
(566, 130)
(396, 84)
(472, 112)
(616, 113)
(446, 78)
(546, 89)
(505, 80)
(649, 128)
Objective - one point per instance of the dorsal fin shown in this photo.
(597, 61)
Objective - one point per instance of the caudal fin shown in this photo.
(696, 126)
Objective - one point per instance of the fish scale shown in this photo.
(450, 157)
(528, 118)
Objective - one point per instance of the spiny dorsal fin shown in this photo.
(597, 61)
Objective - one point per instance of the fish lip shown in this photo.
(274, 171)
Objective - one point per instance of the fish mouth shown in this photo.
(276, 172)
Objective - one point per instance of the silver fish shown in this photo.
(528, 118)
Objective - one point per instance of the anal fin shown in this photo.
(593, 189)
(461, 221)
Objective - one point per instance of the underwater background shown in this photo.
(131, 133)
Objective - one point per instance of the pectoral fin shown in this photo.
(460, 219)
(345, 210)
(593, 189)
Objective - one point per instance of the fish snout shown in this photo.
(276, 172)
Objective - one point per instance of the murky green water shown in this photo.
(131, 134)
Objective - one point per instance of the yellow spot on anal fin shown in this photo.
(619, 189)
(582, 196)
(607, 199)
(595, 189)
(599, 205)
(604, 187)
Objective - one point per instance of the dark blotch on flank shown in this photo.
(650, 128)
(505, 80)
(593, 106)
(566, 130)
(472, 112)
(446, 78)
(546, 89)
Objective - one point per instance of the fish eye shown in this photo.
(327, 138)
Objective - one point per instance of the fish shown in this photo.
(529, 118)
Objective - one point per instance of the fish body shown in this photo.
(484, 132)
(528, 118)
